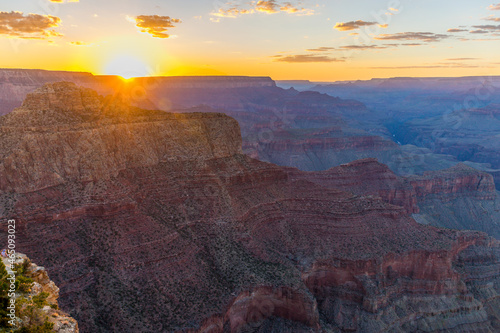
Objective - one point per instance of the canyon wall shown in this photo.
(156, 222)
(460, 198)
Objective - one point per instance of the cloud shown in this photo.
(383, 25)
(232, 12)
(447, 65)
(479, 31)
(423, 36)
(30, 26)
(457, 30)
(489, 27)
(155, 25)
(352, 25)
(366, 47)
(360, 47)
(322, 49)
(306, 58)
(351, 47)
(63, 1)
(261, 6)
(79, 43)
(460, 59)
(494, 7)
(492, 18)
(269, 7)
(272, 7)
(291, 9)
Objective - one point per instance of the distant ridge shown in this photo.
(16, 83)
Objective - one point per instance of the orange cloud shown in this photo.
(262, 6)
(352, 25)
(156, 25)
(269, 7)
(62, 1)
(79, 43)
(232, 12)
(31, 26)
(492, 18)
(291, 9)
(494, 7)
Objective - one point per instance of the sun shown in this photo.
(127, 66)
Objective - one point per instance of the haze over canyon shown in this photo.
(241, 204)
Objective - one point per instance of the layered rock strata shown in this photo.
(156, 222)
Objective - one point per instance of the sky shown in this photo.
(317, 40)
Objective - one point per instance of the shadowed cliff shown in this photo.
(156, 222)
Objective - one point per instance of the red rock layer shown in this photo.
(366, 177)
(453, 182)
(215, 241)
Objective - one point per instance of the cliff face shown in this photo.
(450, 183)
(50, 139)
(15, 84)
(317, 152)
(366, 177)
(158, 223)
(468, 135)
(266, 113)
(460, 198)
(39, 286)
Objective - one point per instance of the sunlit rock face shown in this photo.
(156, 222)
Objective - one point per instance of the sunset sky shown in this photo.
(319, 40)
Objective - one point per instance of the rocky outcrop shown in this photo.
(460, 198)
(67, 117)
(450, 183)
(366, 177)
(40, 283)
(199, 237)
(15, 84)
(318, 152)
(285, 127)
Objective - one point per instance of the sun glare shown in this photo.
(127, 67)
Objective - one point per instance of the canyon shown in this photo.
(315, 131)
(150, 221)
(453, 119)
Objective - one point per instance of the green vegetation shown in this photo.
(28, 308)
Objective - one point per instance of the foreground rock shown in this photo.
(155, 222)
(38, 287)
